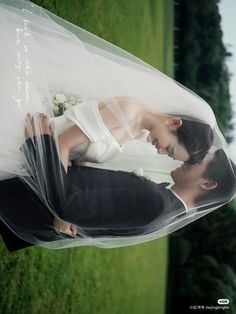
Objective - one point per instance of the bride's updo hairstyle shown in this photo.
(196, 137)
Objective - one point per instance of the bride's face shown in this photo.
(163, 137)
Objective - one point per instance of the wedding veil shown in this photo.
(45, 58)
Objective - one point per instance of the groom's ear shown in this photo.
(208, 185)
(175, 123)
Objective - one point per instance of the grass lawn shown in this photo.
(87, 280)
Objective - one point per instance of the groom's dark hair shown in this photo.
(221, 170)
(196, 137)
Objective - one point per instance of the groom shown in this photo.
(116, 201)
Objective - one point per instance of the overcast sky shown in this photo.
(228, 23)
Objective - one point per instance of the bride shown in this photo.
(100, 135)
(115, 105)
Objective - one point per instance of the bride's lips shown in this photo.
(155, 143)
(149, 139)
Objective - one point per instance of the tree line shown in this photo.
(202, 57)
(202, 255)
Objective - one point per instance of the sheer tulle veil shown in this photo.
(43, 55)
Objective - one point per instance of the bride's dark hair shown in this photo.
(196, 137)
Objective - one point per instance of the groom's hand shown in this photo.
(37, 124)
(64, 227)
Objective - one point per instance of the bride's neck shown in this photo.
(149, 118)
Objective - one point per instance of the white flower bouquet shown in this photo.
(62, 101)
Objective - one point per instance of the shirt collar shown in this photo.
(176, 195)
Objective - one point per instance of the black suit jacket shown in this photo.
(102, 202)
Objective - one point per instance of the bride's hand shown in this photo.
(64, 227)
(41, 121)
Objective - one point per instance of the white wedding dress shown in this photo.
(101, 146)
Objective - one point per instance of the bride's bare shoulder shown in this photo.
(129, 106)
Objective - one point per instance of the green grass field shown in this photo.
(88, 280)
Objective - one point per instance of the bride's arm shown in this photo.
(69, 140)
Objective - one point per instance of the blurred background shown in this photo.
(194, 266)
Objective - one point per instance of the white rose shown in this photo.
(60, 98)
(67, 105)
(56, 110)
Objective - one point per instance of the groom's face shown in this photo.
(191, 175)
